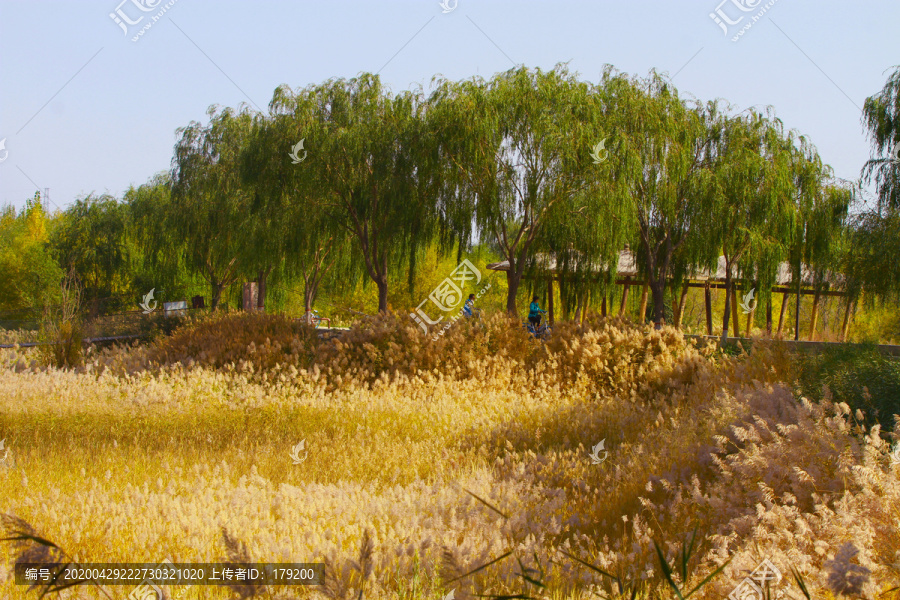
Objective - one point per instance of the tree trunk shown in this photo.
(750, 321)
(642, 315)
(799, 295)
(261, 290)
(680, 314)
(707, 297)
(309, 294)
(550, 301)
(769, 317)
(217, 289)
(513, 280)
(845, 329)
(603, 306)
(587, 305)
(382, 294)
(727, 315)
(734, 313)
(94, 312)
(658, 291)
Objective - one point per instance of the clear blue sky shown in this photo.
(84, 109)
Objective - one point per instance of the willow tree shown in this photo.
(208, 220)
(520, 146)
(90, 238)
(821, 205)
(874, 251)
(158, 262)
(375, 159)
(881, 117)
(586, 235)
(265, 226)
(753, 211)
(279, 161)
(663, 163)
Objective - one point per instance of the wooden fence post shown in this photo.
(814, 319)
(784, 304)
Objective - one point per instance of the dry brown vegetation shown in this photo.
(429, 458)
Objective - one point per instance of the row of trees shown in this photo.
(531, 163)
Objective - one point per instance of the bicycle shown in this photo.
(541, 332)
(313, 319)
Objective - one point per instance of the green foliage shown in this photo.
(859, 375)
(881, 116)
(207, 219)
(663, 164)
(877, 324)
(519, 150)
(29, 273)
(871, 256)
(376, 162)
(683, 568)
(90, 238)
(392, 182)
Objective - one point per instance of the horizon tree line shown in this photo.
(504, 163)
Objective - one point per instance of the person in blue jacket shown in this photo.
(469, 309)
(534, 312)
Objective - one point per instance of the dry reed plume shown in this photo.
(429, 459)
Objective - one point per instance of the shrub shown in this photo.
(859, 375)
(258, 340)
(62, 331)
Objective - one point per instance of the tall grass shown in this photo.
(456, 465)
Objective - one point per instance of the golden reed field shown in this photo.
(423, 460)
